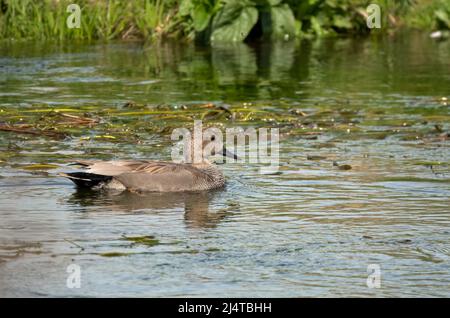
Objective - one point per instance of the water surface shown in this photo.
(378, 105)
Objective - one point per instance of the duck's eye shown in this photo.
(213, 138)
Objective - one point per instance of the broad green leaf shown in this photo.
(229, 13)
(201, 17)
(443, 17)
(274, 2)
(267, 2)
(342, 22)
(185, 7)
(238, 29)
(316, 26)
(280, 23)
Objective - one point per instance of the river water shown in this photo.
(376, 105)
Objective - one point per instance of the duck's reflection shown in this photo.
(197, 212)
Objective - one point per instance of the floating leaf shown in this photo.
(213, 249)
(115, 254)
(144, 240)
(40, 167)
(105, 137)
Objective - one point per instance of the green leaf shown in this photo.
(442, 17)
(227, 29)
(201, 17)
(316, 26)
(230, 12)
(274, 2)
(280, 23)
(40, 167)
(185, 7)
(342, 22)
(266, 3)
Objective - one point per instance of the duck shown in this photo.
(149, 175)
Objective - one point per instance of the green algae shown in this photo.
(146, 240)
(185, 252)
(115, 254)
(40, 167)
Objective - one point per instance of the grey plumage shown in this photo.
(143, 175)
(151, 176)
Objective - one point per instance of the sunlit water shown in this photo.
(310, 230)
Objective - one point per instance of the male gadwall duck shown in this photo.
(149, 176)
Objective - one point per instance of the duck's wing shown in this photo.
(166, 176)
(151, 175)
(112, 168)
(116, 168)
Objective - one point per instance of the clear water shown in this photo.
(311, 230)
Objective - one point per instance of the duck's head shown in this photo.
(200, 151)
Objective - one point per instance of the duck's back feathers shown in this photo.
(155, 176)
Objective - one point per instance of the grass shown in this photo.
(427, 14)
(100, 20)
(156, 19)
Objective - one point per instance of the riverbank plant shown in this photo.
(213, 20)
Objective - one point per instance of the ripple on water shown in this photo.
(309, 230)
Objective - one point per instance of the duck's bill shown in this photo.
(229, 154)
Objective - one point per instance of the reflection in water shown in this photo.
(197, 212)
(174, 73)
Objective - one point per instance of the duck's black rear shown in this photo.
(87, 180)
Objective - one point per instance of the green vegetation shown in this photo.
(433, 15)
(115, 254)
(106, 127)
(212, 20)
(147, 240)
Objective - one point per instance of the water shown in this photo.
(310, 230)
